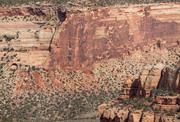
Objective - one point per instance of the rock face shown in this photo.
(135, 116)
(170, 79)
(153, 97)
(150, 78)
(107, 33)
(87, 36)
(148, 117)
(29, 31)
(70, 61)
(136, 111)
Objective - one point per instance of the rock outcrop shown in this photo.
(59, 64)
(87, 36)
(139, 111)
(153, 97)
(106, 33)
(29, 31)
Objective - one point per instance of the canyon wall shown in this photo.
(107, 33)
(29, 32)
(58, 64)
(87, 36)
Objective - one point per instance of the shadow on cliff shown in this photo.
(62, 17)
(136, 89)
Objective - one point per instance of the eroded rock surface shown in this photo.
(59, 64)
(108, 33)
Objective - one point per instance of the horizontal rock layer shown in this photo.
(92, 35)
(92, 39)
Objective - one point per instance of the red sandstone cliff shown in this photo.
(105, 33)
(89, 36)
(38, 44)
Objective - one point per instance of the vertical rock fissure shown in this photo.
(61, 18)
(52, 38)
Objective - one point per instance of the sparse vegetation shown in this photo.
(40, 106)
(138, 103)
(58, 105)
(163, 92)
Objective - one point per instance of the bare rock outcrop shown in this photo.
(150, 78)
(147, 98)
(106, 33)
(170, 79)
(70, 61)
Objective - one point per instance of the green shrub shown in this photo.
(163, 92)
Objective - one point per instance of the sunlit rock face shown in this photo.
(113, 32)
(86, 37)
(29, 32)
(70, 61)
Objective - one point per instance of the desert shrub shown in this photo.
(138, 103)
(163, 92)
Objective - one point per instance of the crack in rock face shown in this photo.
(58, 64)
(88, 37)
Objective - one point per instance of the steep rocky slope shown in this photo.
(58, 64)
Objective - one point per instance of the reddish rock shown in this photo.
(40, 84)
(90, 36)
(123, 115)
(167, 118)
(123, 97)
(128, 83)
(150, 78)
(101, 109)
(135, 116)
(157, 117)
(57, 84)
(147, 117)
(26, 10)
(113, 113)
(170, 107)
(169, 79)
(178, 80)
(161, 107)
(167, 100)
(107, 114)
